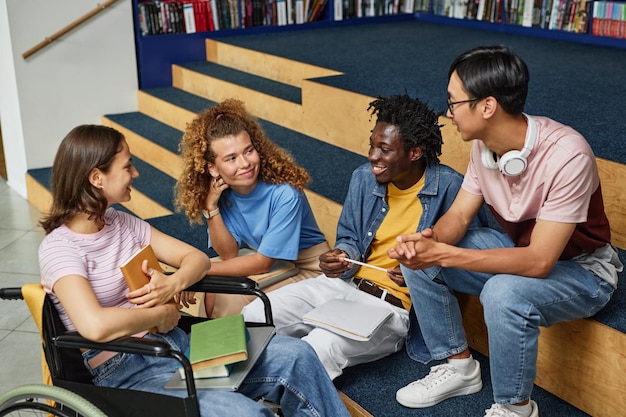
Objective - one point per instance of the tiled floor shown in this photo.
(20, 360)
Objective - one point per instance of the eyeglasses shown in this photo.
(452, 103)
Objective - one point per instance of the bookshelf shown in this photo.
(156, 53)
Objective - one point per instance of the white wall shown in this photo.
(78, 78)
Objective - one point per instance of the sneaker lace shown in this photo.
(498, 410)
(437, 375)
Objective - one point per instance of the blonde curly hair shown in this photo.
(227, 118)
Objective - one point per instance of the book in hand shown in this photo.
(351, 319)
(133, 274)
(218, 342)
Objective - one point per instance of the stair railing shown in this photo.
(49, 39)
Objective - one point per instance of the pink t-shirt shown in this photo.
(97, 257)
(560, 184)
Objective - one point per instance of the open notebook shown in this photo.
(348, 318)
(259, 338)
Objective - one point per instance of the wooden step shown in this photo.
(264, 65)
(217, 83)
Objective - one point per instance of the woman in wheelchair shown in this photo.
(87, 241)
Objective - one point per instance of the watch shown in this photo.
(210, 214)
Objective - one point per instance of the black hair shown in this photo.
(418, 124)
(494, 71)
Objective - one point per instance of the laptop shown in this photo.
(259, 338)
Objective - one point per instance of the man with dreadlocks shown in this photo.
(401, 190)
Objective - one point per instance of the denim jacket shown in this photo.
(365, 208)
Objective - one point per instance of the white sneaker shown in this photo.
(443, 381)
(498, 410)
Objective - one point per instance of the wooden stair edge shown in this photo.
(164, 111)
(353, 407)
(273, 67)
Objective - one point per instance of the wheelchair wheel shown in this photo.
(45, 400)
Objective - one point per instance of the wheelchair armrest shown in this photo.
(134, 345)
(227, 285)
(11, 293)
(129, 344)
(234, 285)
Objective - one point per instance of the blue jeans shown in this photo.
(514, 308)
(287, 373)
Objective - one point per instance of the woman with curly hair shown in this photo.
(250, 191)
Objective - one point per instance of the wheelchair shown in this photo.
(72, 393)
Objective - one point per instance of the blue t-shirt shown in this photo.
(275, 220)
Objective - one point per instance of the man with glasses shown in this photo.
(554, 262)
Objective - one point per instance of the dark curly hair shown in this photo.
(419, 125)
(228, 118)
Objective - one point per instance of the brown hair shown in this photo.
(84, 148)
(226, 119)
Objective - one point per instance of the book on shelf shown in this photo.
(281, 12)
(217, 343)
(189, 17)
(351, 319)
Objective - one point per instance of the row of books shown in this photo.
(347, 9)
(609, 19)
(566, 15)
(159, 17)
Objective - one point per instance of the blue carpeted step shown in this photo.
(373, 386)
(180, 98)
(159, 133)
(244, 79)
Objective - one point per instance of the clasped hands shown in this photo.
(416, 250)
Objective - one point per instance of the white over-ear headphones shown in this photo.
(512, 163)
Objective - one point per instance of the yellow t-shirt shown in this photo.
(405, 211)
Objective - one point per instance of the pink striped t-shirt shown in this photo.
(97, 257)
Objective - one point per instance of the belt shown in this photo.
(105, 355)
(373, 289)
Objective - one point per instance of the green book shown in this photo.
(219, 341)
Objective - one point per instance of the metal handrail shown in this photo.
(48, 40)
